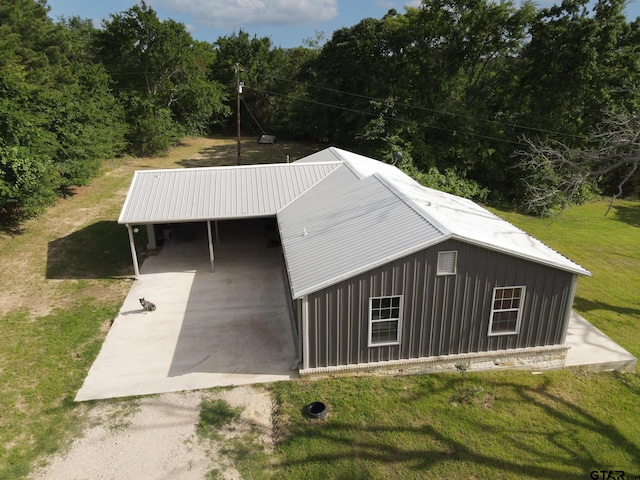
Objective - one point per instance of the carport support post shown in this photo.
(211, 258)
(134, 255)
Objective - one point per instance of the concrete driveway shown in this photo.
(227, 327)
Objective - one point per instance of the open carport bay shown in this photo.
(227, 327)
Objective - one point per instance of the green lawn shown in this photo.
(556, 425)
(63, 282)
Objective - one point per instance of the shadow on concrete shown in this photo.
(100, 250)
(237, 319)
(210, 329)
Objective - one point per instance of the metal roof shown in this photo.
(345, 225)
(453, 217)
(339, 213)
(198, 194)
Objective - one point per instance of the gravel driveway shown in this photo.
(154, 438)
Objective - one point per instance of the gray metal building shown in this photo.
(383, 273)
(438, 315)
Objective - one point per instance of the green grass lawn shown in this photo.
(609, 247)
(557, 425)
(63, 282)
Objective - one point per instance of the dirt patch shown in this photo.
(155, 438)
(25, 256)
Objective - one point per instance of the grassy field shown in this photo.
(65, 276)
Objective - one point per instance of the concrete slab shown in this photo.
(593, 350)
(229, 327)
(232, 326)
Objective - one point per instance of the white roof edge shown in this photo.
(567, 268)
(234, 167)
(352, 273)
(127, 199)
(335, 151)
(571, 267)
(345, 276)
(159, 221)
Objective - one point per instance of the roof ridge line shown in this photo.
(411, 203)
(339, 164)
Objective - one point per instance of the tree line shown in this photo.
(455, 92)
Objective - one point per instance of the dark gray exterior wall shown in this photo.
(441, 314)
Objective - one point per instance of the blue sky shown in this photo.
(286, 22)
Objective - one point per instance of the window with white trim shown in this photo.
(447, 263)
(506, 310)
(385, 320)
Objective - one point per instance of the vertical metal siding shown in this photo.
(441, 314)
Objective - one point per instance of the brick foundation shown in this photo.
(536, 358)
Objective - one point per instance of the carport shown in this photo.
(223, 304)
(159, 198)
(228, 328)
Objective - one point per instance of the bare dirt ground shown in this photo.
(155, 438)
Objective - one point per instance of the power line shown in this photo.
(260, 126)
(400, 104)
(426, 109)
(395, 119)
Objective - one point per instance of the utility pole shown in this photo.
(239, 92)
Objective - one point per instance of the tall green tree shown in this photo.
(58, 119)
(582, 64)
(578, 64)
(253, 61)
(160, 73)
(28, 178)
(431, 83)
(357, 65)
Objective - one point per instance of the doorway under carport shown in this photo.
(229, 327)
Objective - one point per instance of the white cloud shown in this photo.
(225, 13)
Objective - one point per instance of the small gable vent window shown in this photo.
(447, 263)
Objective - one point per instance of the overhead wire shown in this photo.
(260, 126)
(395, 119)
(426, 109)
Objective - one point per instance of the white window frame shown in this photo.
(398, 320)
(504, 308)
(441, 255)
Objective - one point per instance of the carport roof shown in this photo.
(199, 194)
